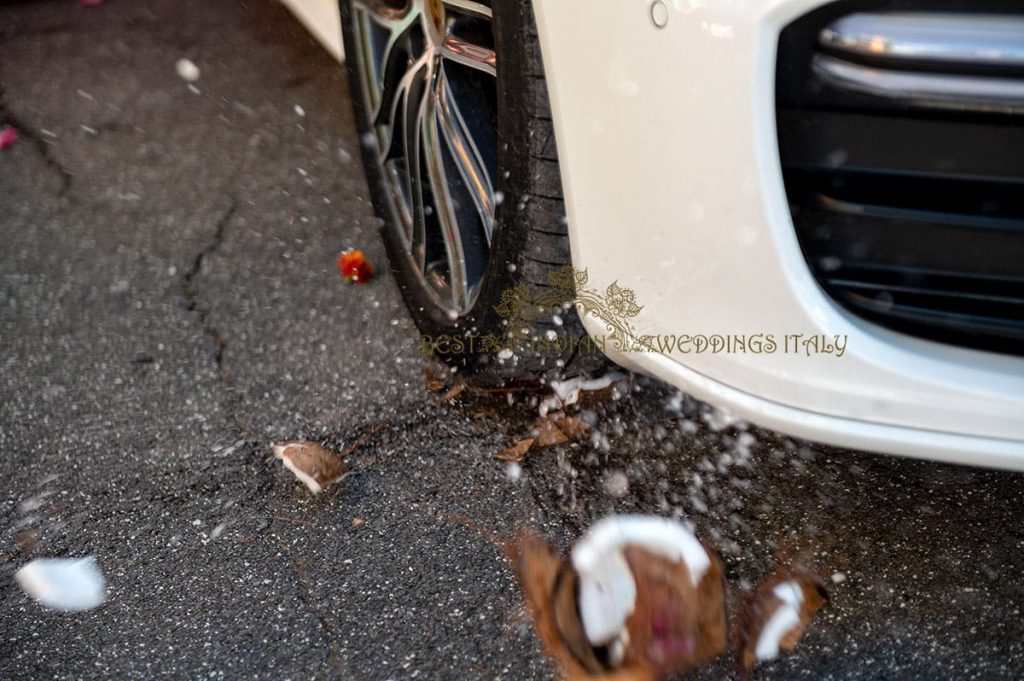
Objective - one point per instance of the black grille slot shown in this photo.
(901, 133)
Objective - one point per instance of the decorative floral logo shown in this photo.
(567, 286)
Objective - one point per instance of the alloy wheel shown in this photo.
(428, 70)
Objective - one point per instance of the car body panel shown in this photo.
(323, 19)
(674, 189)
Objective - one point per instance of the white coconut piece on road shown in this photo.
(63, 583)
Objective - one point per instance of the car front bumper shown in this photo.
(673, 188)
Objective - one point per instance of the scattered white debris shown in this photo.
(91, 131)
(230, 449)
(719, 419)
(344, 156)
(549, 404)
(569, 390)
(187, 70)
(63, 583)
(838, 578)
(299, 111)
(194, 90)
(616, 484)
(514, 471)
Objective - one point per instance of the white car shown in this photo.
(806, 213)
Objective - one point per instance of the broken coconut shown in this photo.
(778, 614)
(69, 584)
(312, 463)
(639, 598)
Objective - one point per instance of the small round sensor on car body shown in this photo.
(659, 13)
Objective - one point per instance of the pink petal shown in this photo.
(7, 137)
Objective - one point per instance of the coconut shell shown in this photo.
(764, 604)
(675, 626)
(537, 565)
(312, 463)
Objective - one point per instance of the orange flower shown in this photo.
(355, 267)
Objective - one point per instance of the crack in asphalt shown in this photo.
(210, 330)
(41, 146)
(327, 625)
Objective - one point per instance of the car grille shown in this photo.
(901, 133)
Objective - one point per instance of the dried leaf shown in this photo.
(434, 381)
(573, 426)
(453, 393)
(516, 452)
(549, 434)
(312, 463)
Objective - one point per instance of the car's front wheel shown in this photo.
(460, 158)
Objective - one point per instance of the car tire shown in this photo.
(527, 253)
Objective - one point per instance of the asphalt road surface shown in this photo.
(170, 307)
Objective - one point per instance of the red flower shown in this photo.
(7, 136)
(355, 267)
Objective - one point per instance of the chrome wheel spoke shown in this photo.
(387, 89)
(403, 106)
(464, 152)
(382, 13)
(433, 130)
(403, 145)
(443, 205)
(471, 55)
(414, 172)
(476, 9)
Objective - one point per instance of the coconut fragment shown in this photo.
(568, 391)
(778, 615)
(637, 598)
(312, 463)
(69, 584)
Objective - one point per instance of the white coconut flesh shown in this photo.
(607, 594)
